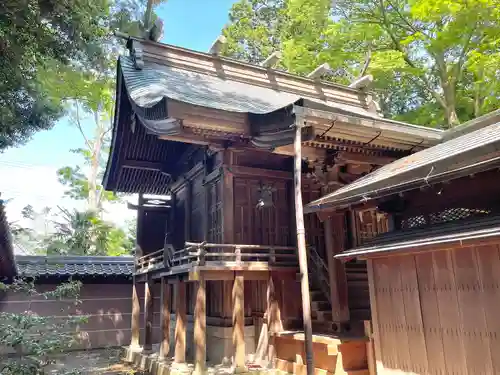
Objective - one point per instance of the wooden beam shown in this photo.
(180, 323)
(165, 318)
(200, 328)
(309, 152)
(143, 164)
(148, 315)
(301, 248)
(136, 314)
(238, 170)
(354, 158)
(238, 294)
(336, 270)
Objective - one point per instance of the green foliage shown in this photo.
(85, 233)
(52, 51)
(36, 38)
(434, 62)
(36, 339)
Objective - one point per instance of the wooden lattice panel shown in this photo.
(450, 214)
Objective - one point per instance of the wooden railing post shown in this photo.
(166, 256)
(201, 255)
(272, 258)
(237, 253)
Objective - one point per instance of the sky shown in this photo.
(29, 172)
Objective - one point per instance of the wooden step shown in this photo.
(317, 295)
(323, 316)
(320, 305)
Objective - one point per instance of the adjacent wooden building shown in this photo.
(434, 276)
(206, 141)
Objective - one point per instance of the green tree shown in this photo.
(85, 233)
(36, 39)
(42, 42)
(434, 62)
(36, 339)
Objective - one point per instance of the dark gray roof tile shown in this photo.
(36, 266)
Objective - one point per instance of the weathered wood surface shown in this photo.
(437, 313)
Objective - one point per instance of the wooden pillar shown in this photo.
(136, 316)
(180, 322)
(301, 248)
(165, 319)
(200, 328)
(238, 295)
(274, 322)
(334, 234)
(148, 315)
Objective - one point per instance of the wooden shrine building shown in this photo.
(207, 142)
(434, 277)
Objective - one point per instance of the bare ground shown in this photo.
(93, 362)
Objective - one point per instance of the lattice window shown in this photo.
(450, 214)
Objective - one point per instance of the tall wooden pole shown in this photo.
(301, 247)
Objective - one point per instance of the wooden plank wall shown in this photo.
(437, 312)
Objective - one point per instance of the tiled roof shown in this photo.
(35, 266)
(460, 154)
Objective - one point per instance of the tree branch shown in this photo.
(80, 127)
(367, 62)
(406, 58)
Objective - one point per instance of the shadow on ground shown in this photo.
(93, 362)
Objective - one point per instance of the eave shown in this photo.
(451, 235)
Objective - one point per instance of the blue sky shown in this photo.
(31, 168)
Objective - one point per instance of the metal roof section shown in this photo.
(470, 126)
(43, 266)
(416, 239)
(469, 153)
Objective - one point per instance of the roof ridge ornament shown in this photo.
(363, 82)
(136, 53)
(272, 60)
(217, 45)
(320, 71)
